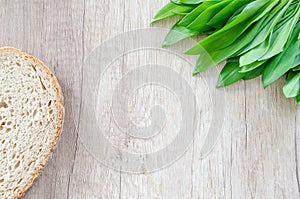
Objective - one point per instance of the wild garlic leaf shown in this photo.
(220, 19)
(256, 53)
(280, 37)
(292, 85)
(180, 13)
(229, 33)
(237, 13)
(298, 98)
(270, 21)
(230, 74)
(189, 18)
(191, 2)
(171, 9)
(255, 72)
(283, 62)
(290, 12)
(180, 30)
(296, 63)
(218, 40)
(178, 33)
(209, 58)
(297, 68)
(197, 26)
(252, 66)
(200, 23)
(250, 11)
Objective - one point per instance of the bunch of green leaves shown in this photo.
(256, 37)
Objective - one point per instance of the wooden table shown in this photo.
(256, 154)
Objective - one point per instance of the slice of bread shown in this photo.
(31, 116)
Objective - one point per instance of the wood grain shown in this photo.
(256, 156)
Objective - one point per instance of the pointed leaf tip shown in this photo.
(195, 72)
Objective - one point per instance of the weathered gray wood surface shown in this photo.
(256, 156)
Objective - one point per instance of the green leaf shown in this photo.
(297, 68)
(296, 63)
(290, 12)
(283, 62)
(209, 58)
(254, 10)
(181, 30)
(229, 33)
(178, 33)
(200, 23)
(292, 86)
(236, 13)
(180, 13)
(255, 72)
(268, 25)
(280, 38)
(255, 54)
(189, 2)
(252, 66)
(171, 9)
(230, 74)
(298, 98)
(205, 11)
(220, 19)
(189, 18)
(216, 41)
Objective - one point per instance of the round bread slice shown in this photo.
(31, 115)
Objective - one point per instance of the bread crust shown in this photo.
(60, 108)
